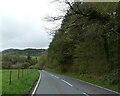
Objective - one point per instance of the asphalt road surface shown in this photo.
(58, 84)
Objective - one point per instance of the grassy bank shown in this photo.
(0, 82)
(21, 86)
(89, 78)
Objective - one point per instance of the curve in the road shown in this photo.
(59, 84)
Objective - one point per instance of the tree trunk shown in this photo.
(106, 47)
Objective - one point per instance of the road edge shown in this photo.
(99, 86)
(89, 83)
(36, 85)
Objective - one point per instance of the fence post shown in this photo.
(22, 72)
(10, 77)
(18, 73)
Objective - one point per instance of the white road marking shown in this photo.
(56, 77)
(85, 94)
(36, 85)
(92, 84)
(52, 75)
(67, 82)
(98, 86)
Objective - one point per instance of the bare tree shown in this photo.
(55, 20)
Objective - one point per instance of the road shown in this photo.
(58, 84)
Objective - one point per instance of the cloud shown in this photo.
(22, 23)
(27, 33)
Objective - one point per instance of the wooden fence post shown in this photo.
(10, 77)
(18, 73)
(22, 72)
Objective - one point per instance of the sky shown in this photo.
(22, 23)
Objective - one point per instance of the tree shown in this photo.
(87, 41)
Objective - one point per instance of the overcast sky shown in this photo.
(23, 25)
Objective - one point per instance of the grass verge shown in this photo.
(21, 86)
(88, 78)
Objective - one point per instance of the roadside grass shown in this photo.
(87, 78)
(0, 83)
(23, 85)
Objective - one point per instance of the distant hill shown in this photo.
(28, 51)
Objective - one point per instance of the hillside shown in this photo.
(24, 52)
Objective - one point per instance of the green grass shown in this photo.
(88, 78)
(32, 56)
(0, 82)
(21, 86)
